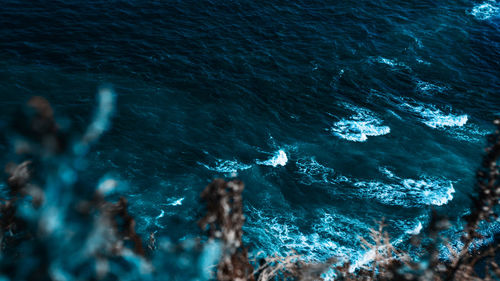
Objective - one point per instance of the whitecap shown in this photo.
(393, 63)
(485, 10)
(408, 192)
(280, 158)
(280, 234)
(389, 62)
(226, 166)
(161, 215)
(435, 118)
(387, 172)
(415, 230)
(177, 202)
(360, 126)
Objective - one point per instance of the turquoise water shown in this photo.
(334, 114)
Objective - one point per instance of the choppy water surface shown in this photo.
(334, 113)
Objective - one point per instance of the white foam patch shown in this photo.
(226, 166)
(408, 192)
(423, 61)
(416, 230)
(280, 234)
(177, 202)
(279, 159)
(313, 172)
(161, 215)
(485, 10)
(360, 126)
(435, 118)
(388, 173)
(390, 62)
(331, 235)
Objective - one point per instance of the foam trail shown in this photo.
(226, 166)
(469, 133)
(408, 192)
(280, 158)
(435, 118)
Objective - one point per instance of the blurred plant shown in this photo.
(54, 225)
(225, 219)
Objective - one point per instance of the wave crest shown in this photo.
(280, 158)
(435, 118)
(409, 192)
(359, 127)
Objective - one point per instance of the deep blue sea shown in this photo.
(335, 114)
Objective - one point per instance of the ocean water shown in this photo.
(335, 114)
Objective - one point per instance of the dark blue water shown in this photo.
(333, 113)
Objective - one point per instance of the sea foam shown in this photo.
(281, 234)
(434, 117)
(280, 158)
(408, 192)
(415, 230)
(485, 10)
(360, 126)
(226, 166)
(391, 62)
(313, 172)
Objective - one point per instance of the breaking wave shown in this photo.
(408, 192)
(280, 234)
(434, 117)
(359, 127)
(280, 158)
